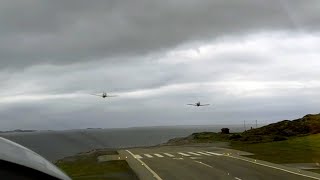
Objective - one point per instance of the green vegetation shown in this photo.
(294, 150)
(315, 170)
(203, 137)
(210, 136)
(280, 131)
(296, 141)
(86, 167)
(309, 124)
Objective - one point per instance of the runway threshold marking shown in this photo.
(170, 155)
(204, 164)
(281, 169)
(204, 153)
(194, 153)
(158, 155)
(184, 154)
(148, 155)
(155, 175)
(217, 154)
(195, 157)
(138, 156)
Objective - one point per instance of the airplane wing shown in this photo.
(204, 104)
(112, 95)
(96, 95)
(191, 104)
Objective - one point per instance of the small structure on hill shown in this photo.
(225, 131)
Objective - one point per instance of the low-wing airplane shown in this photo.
(198, 104)
(104, 95)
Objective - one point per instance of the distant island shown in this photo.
(18, 130)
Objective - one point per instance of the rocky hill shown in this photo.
(309, 124)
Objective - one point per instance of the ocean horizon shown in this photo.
(54, 145)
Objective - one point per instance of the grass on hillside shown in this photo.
(86, 167)
(315, 170)
(304, 149)
(210, 137)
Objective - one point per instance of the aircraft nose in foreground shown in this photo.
(18, 162)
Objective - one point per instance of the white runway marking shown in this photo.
(148, 155)
(170, 155)
(137, 156)
(204, 164)
(158, 155)
(178, 158)
(237, 178)
(288, 171)
(194, 153)
(204, 153)
(196, 158)
(217, 154)
(184, 154)
(155, 175)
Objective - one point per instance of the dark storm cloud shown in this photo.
(64, 32)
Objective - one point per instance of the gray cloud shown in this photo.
(60, 32)
(160, 110)
(252, 60)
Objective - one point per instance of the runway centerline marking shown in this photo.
(237, 178)
(155, 175)
(261, 164)
(158, 155)
(184, 154)
(194, 153)
(148, 155)
(170, 155)
(204, 164)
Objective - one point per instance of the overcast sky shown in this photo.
(250, 59)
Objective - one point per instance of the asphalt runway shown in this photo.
(184, 162)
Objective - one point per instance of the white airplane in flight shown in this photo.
(198, 104)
